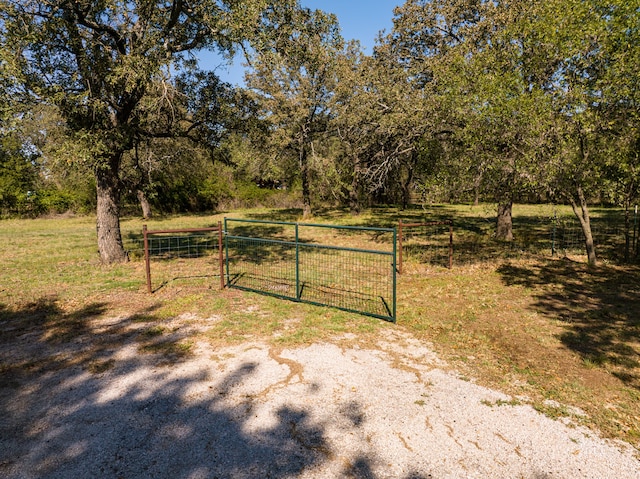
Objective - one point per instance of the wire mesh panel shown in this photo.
(261, 265)
(608, 237)
(433, 242)
(183, 254)
(428, 242)
(186, 245)
(286, 260)
(350, 279)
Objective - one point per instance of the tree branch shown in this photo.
(100, 28)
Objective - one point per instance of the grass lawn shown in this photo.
(549, 331)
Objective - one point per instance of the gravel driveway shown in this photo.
(253, 411)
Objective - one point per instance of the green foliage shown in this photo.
(459, 101)
(109, 68)
(252, 193)
(525, 99)
(18, 176)
(294, 78)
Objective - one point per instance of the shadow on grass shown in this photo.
(288, 214)
(598, 306)
(176, 279)
(43, 320)
(348, 296)
(89, 404)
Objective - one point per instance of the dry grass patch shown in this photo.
(552, 333)
(98, 367)
(532, 329)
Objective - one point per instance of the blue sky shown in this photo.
(359, 20)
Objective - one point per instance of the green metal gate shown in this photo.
(286, 260)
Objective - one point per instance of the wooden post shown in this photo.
(450, 244)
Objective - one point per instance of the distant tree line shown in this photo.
(104, 107)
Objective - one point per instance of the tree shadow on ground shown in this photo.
(474, 239)
(61, 418)
(78, 398)
(286, 214)
(599, 308)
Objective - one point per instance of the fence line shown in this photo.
(147, 257)
(616, 240)
(612, 241)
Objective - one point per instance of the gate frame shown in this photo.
(296, 243)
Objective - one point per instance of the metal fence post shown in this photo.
(400, 246)
(146, 257)
(226, 250)
(297, 264)
(220, 254)
(394, 265)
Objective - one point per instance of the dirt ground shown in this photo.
(119, 404)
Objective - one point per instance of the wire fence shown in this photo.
(427, 242)
(471, 240)
(475, 242)
(351, 279)
(260, 264)
(347, 267)
(186, 254)
(613, 239)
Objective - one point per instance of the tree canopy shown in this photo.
(109, 67)
(463, 100)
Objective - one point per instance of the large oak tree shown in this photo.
(106, 65)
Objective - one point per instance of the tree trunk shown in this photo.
(144, 204)
(304, 175)
(110, 244)
(406, 188)
(582, 213)
(354, 192)
(504, 222)
(477, 182)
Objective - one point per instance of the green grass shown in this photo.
(534, 327)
